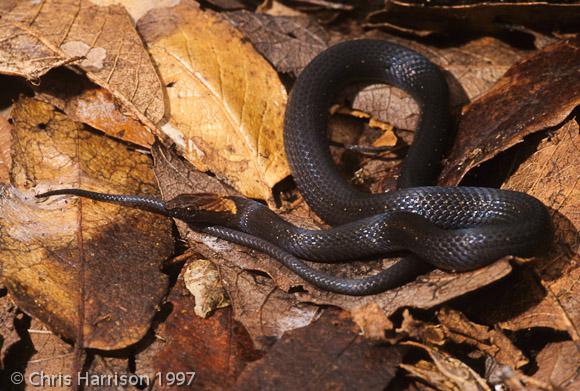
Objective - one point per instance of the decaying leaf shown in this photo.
(328, 354)
(36, 37)
(528, 98)
(492, 342)
(227, 103)
(77, 262)
(216, 348)
(104, 371)
(429, 333)
(288, 42)
(425, 292)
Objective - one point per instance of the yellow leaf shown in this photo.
(226, 102)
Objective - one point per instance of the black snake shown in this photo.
(453, 228)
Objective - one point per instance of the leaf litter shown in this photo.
(277, 326)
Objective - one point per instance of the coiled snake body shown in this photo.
(453, 228)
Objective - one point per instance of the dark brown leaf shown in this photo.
(328, 354)
(288, 42)
(216, 348)
(530, 97)
(425, 17)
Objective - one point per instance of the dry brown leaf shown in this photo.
(88, 103)
(472, 68)
(8, 334)
(54, 255)
(552, 174)
(491, 342)
(102, 373)
(537, 93)
(446, 372)
(425, 292)
(288, 42)
(137, 8)
(102, 41)
(328, 354)
(424, 17)
(431, 334)
(216, 348)
(558, 365)
(52, 357)
(5, 142)
(227, 103)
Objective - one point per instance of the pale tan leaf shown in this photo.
(36, 37)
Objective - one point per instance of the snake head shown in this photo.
(202, 208)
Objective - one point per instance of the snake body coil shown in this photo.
(451, 228)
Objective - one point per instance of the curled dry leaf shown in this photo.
(202, 280)
(528, 98)
(431, 334)
(491, 342)
(216, 348)
(446, 372)
(328, 354)
(88, 103)
(72, 262)
(37, 37)
(288, 42)
(227, 103)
